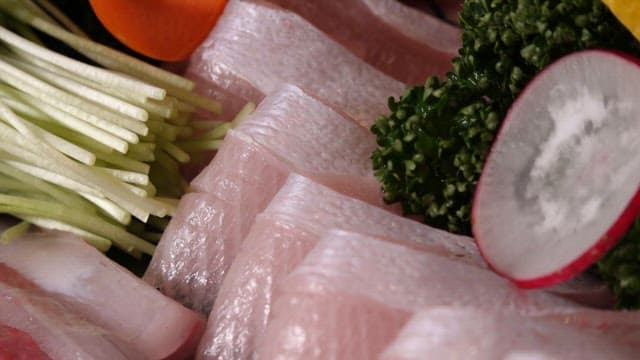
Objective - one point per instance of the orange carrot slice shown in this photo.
(161, 29)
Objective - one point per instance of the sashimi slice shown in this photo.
(404, 43)
(621, 326)
(273, 247)
(347, 327)
(320, 208)
(307, 137)
(54, 327)
(288, 132)
(238, 59)
(352, 271)
(242, 307)
(194, 254)
(292, 224)
(18, 345)
(455, 333)
(76, 274)
(417, 25)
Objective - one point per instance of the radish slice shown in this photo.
(560, 185)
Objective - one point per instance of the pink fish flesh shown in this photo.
(404, 43)
(371, 276)
(456, 333)
(289, 132)
(280, 238)
(257, 46)
(56, 329)
(75, 273)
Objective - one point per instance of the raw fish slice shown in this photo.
(218, 81)
(622, 327)
(101, 291)
(406, 44)
(280, 238)
(238, 58)
(455, 333)
(194, 254)
(320, 209)
(240, 170)
(390, 274)
(351, 268)
(288, 132)
(299, 134)
(16, 345)
(347, 327)
(415, 24)
(299, 129)
(53, 326)
(239, 317)
(240, 313)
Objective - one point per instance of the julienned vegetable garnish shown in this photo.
(560, 184)
(178, 26)
(433, 144)
(79, 143)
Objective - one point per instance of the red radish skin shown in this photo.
(600, 245)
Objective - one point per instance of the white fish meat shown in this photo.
(350, 286)
(404, 43)
(257, 46)
(107, 295)
(289, 132)
(292, 224)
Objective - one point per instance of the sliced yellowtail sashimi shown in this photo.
(289, 131)
(194, 256)
(257, 46)
(54, 326)
(404, 43)
(450, 333)
(348, 296)
(307, 137)
(278, 241)
(101, 291)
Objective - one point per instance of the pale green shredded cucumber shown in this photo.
(79, 142)
(14, 231)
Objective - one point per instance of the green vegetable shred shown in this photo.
(92, 143)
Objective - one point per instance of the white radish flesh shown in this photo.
(560, 184)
